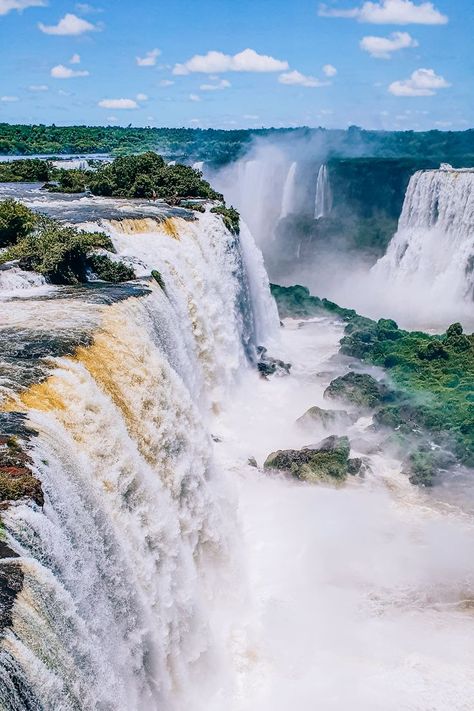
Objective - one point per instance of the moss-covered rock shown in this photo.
(230, 217)
(326, 461)
(359, 389)
(326, 418)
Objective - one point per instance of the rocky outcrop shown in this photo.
(359, 389)
(269, 366)
(327, 418)
(326, 461)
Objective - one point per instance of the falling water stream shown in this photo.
(164, 571)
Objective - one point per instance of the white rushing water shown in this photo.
(430, 261)
(166, 573)
(289, 190)
(323, 198)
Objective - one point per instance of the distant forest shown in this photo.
(218, 147)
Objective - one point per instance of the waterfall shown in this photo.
(432, 253)
(115, 605)
(289, 189)
(323, 199)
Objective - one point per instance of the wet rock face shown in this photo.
(269, 366)
(11, 583)
(326, 461)
(16, 478)
(360, 389)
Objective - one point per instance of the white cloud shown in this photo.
(85, 9)
(218, 86)
(382, 47)
(9, 99)
(166, 82)
(112, 119)
(329, 70)
(251, 117)
(149, 60)
(296, 78)
(390, 12)
(62, 72)
(218, 62)
(69, 25)
(7, 6)
(38, 87)
(141, 97)
(118, 104)
(423, 82)
(75, 59)
(194, 97)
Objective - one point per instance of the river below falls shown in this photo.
(357, 597)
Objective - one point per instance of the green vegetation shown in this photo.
(63, 254)
(16, 221)
(29, 170)
(327, 461)
(432, 376)
(230, 216)
(139, 176)
(107, 270)
(360, 389)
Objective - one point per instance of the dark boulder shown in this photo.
(360, 389)
(326, 461)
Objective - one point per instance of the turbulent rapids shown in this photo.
(160, 566)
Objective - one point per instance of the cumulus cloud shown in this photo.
(38, 87)
(141, 97)
(329, 70)
(218, 62)
(149, 60)
(75, 59)
(85, 9)
(383, 47)
(118, 104)
(7, 6)
(194, 97)
(390, 12)
(298, 79)
(423, 82)
(218, 86)
(69, 25)
(62, 72)
(9, 99)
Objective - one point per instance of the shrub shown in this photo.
(107, 270)
(59, 252)
(16, 221)
(230, 217)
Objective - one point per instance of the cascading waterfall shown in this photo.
(289, 190)
(113, 613)
(323, 199)
(432, 252)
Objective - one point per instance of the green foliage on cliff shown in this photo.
(61, 253)
(230, 216)
(434, 375)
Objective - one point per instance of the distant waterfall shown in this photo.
(432, 252)
(323, 199)
(117, 566)
(289, 190)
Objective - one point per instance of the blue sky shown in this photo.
(391, 64)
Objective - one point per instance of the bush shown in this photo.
(16, 221)
(107, 270)
(57, 251)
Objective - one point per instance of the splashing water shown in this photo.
(289, 189)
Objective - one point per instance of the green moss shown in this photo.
(158, 278)
(360, 389)
(330, 460)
